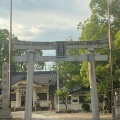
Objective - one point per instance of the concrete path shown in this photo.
(52, 115)
(19, 115)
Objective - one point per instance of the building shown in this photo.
(44, 87)
(43, 81)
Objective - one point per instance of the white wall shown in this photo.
(44, 103)
(13, 103)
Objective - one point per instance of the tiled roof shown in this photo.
(41, 77)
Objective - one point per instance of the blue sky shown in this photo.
(44, 20)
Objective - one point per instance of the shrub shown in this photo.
(85, 107)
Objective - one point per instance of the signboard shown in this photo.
(60, 49)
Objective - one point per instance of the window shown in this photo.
(13, 97)
(81, 99)
(75, 100)
(42, 96)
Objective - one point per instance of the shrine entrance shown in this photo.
(60, 48)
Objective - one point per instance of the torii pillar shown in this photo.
(93, 85)
(29, 85)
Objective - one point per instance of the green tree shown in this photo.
(96, 27)
(69, 75)
(63, 94)
(116, 59)
(4, 53)
(69, 71)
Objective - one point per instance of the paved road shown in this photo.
(52, 115)
(19, 115)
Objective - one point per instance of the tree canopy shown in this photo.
(96, 28)
(4, 53)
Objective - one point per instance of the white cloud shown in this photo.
(45, 20)
(4, 23)
(36, 29)
(26, 38)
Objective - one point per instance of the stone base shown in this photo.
(0, 112)
(5, 117)
(118, 117)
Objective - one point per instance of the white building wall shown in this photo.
(73, 105)
(13, 104)
(75, 102)
(34, 96)
(44, 103)
(18, 99)
(44, 89)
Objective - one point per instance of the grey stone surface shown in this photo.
(5, 111)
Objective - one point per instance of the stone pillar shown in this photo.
(34, 98)
(29, 85)
(17, 98)
(34, 95)
(117, 104)
(93, 86)
(55, 101)
(48, 98)
(71, 102)
(5, 112)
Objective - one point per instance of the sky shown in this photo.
(44, 20)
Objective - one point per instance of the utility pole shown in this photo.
(10, 53)
(58, 86)
(110, 53)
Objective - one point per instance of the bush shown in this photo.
(85, 107)
(68, 111)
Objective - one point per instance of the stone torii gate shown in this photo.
(60, 48)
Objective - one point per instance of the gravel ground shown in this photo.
(52, 115)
